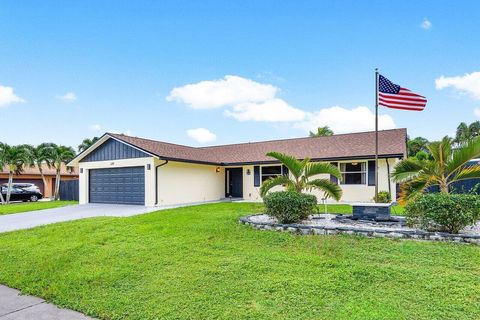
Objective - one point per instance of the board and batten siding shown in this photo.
(114, 150)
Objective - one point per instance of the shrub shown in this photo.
(443, 212)
(288, 206)
(383, 197)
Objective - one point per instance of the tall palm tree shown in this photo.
(59, 155)
(446, 166)
(86, 143)
(41, 157)
(14, 158)
(322, 132)
(466, 132)
(300, 177)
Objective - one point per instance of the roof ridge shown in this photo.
(299, 138)
(157, 141)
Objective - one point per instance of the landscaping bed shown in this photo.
(330, 224)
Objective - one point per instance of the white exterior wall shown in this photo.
(136, 162)
(183, 183)
(351, 193)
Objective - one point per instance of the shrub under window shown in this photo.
(290, 207)
(443, 212)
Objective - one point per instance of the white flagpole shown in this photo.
(376, 134)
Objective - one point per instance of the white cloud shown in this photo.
(426, 24)
(95, 127)
(68, 97)
(342, 120)
(7, 96)
(466, 84)
(477, 112)
(201, 135)
(274, 110)
(229, 91)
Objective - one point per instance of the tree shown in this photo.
(466, 132)
(446, 166)
(87, 143)
(300, 176)
(322, 132)
(416, 145)
(60, 155)
(14, 158)
(41, 157)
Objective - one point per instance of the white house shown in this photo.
(131, 170)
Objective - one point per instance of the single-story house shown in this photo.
(132, 170)
(32, 175)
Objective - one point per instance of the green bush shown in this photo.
(443, 212)
(383, 197)
(290, 207)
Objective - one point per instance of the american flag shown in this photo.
(393, 96)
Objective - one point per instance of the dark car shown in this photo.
(22, 192)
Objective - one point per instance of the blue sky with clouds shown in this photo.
(216, 72)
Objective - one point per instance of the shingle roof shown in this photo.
(340, 146)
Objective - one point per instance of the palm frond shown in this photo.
(331, 189)
(315, 168)
(464, 153)
(411, 189)
(407, 169)
(294, 166)
(472, 172)
(275, 181)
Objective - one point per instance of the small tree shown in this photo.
(41, 157)
(446, 166)
(60, 155)
(300, 178)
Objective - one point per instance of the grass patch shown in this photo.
(199, 263)
(32, 206)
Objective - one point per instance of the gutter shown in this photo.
(156, 180)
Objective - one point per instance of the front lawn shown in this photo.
(32, 206)
(199, 263)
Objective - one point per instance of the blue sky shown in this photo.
(75, 69)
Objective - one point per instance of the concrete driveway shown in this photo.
(26, 220)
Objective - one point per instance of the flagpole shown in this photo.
(376, 134)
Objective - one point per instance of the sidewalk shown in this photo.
(14, 306)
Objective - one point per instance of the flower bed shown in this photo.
(326, 224)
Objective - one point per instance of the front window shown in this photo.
(353, 172)
(271, 171)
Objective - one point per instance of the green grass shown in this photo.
(199, 263)
(32, 206)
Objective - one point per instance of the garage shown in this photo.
(124, 185)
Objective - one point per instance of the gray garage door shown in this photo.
(118, 185)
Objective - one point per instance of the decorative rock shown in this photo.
(366, 229)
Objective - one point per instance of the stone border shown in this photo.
(367, 232)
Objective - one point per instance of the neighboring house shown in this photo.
(131, 170)
(32, 175)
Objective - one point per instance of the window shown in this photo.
(353, 172)
(271, 171)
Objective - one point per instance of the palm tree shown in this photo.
(466, 132)
(41, 156)
(14, 158)
(322, 132)
(59, 155)
(446, 166)
(300, 176)
(87, 143)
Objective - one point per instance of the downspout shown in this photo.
(156, 180)
(388, 177)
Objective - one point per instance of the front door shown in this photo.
(234, 182)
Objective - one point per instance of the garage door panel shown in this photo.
(118, 185)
